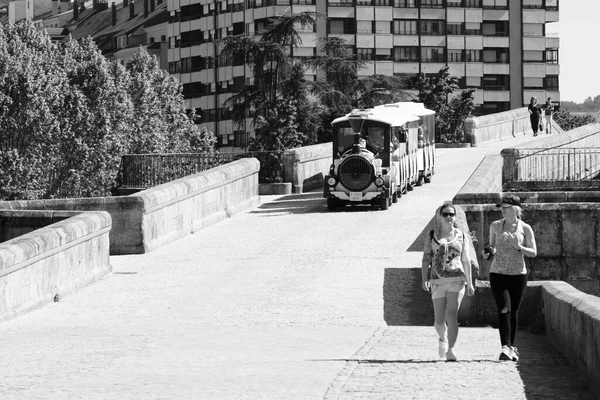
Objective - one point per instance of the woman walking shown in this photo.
(535, 113)
(510, 240)
(446, 272)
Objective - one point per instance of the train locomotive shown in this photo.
(379, 154)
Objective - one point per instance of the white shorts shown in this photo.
(440, 290)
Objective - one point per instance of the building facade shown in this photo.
(498, 47)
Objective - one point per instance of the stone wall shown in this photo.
(54, 260)
(151, 218)
(499, 126)
(572, 323)
(567, 241)
(305, 167)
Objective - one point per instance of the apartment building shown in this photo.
(498, 47)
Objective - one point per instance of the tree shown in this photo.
(437, 93)
(340, 89)
(568, 121)
(67, 115)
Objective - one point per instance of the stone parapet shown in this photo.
(496, 127)
(149, 219)
(572, 323)
(305, 167)
(39, 266)
(566, 238)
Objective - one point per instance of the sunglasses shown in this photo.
(447, 214)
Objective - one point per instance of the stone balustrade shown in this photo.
(305, 167)
(151, 218)
(43, 264)
(499, 126)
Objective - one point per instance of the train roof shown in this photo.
(409, 106)
(386, 115)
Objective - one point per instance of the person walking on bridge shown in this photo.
(446, 272)
(510, 240)
(548, 109)
(535, 113)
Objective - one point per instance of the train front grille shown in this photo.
(356, 173)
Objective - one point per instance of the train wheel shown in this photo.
(383, 203)
(420, 180)
(331, 203)
(427, 179)
(395, 197)
(409, 187)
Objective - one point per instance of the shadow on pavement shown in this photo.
(404, 302)
(417, 244)
(546, 373)
(306, 203)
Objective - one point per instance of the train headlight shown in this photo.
(331, 181)
(379, 181)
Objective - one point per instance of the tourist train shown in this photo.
(379, 154)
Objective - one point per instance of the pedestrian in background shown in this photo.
(548, 110)
(446, 272)
(535, 112)
(510, 240)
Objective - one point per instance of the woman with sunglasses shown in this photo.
(510, 240)
(446, 272)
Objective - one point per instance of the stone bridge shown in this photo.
(283, 300)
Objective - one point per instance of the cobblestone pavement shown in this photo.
(284, 301)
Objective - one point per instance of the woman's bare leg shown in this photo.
(453, 300)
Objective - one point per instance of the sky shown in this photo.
(579, 54)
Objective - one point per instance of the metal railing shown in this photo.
(143, 171)
(556, 167)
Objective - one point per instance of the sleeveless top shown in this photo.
(447, 259)
(507, 260)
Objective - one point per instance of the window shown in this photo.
(364, 26)
(499, 56)
(499, 4)
(455, 55)
(496, 82)
(472, 3)
(551, 56)
(473, 28)
(432, 27)
(496, 28)
(364, 54)
(432, 54)
(406, 54)
(533, 83)
(432, 3)
(551, 83)
(240, 138)
(405, 27)
(533, 56)
(342, 26)
(473, 81)
(454, 3)
(454, 28)
(404, 3)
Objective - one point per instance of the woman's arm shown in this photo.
(529, 247)
(426, 264)
(491, 249)
(466, 262)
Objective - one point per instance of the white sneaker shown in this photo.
(506, 354)
(442, 348)
(450, 355)
(514, 353)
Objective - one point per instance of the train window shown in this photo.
(376, 138)
(345, 137)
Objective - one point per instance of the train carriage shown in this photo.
(379, 154)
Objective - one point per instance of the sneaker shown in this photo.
(535, 134)
(442, 348)
(514, 353)
(450, 356)
(506, 354)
